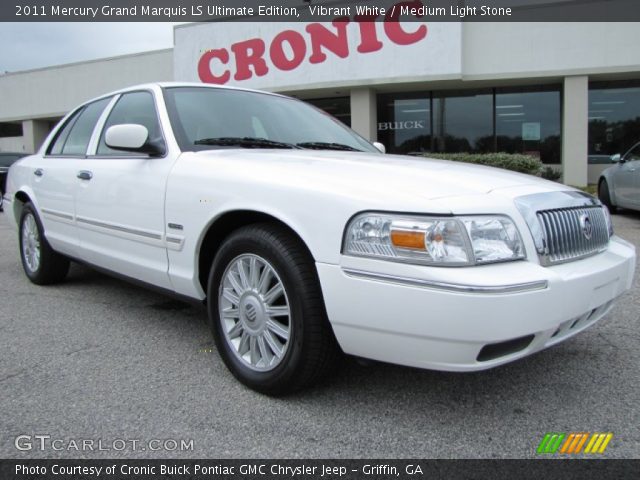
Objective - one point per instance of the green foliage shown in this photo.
(509, 161)
(591, 189)
(550, 174)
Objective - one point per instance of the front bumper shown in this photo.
(465, 319)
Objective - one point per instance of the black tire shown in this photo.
(603, 195)
(311, 350)
(51, 267)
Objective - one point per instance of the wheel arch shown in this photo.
(19, 200)
(606, 177)
(225, 224)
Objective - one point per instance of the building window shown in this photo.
(8, 129)
(404, 123)
(339, 107)
(463, 122)
(614, 119)
(529, 122)
(522, 120)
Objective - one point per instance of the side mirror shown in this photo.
(131, 137)
(616, 158)
(380, 147)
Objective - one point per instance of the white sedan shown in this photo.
(619, 186)
(305, 241)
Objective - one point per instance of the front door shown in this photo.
(120, 202)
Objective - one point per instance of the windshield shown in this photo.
(211, 118)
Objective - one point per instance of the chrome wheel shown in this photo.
(254, 312)
(31, 246)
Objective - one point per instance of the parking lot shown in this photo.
(98, 358)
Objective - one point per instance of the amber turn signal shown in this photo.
(407, 239)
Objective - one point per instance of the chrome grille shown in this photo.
(572, 233)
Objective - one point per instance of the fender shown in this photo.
(184, 268)
(16, 205)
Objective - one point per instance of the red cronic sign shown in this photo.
(290, 48)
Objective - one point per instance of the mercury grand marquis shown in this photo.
(305, 241)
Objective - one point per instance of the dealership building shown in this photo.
(567, 93)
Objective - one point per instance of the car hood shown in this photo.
(370, 175)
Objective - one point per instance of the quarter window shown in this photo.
(137, 108)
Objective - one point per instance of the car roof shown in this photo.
(154, 85)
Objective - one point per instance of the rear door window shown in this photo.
(76, 134)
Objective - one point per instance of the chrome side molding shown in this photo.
(450, 287)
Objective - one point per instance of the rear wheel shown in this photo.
(40, 262)
(604, 196)
(267, 312)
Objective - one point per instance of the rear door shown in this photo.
(120, 201)
(54, 177)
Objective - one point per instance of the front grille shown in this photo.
(572, 233)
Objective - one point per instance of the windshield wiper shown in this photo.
(245, 142)
(327, 146)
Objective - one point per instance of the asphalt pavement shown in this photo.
(98, 359)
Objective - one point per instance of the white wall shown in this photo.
(575, 130)
(13, 144)
(52, 92)
(512, 50)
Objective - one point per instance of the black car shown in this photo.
(6, 159)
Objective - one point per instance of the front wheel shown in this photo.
(267, 313)
(40, 262)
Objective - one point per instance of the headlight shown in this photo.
(443, 241)
(607, 218)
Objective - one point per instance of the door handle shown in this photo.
(85, 175)
(38, 172)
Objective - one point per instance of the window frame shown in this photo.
(92, 151)
(71, 121)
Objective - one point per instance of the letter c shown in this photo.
(204, 66)
(394, 30)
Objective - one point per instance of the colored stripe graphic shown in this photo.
(598, 443)
(581, 443)
(551, 442)
(573, 443)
